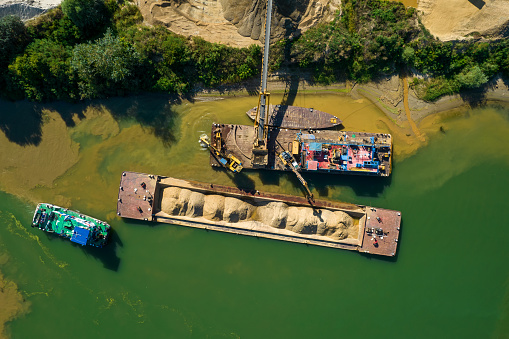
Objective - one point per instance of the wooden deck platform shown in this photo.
(134, 200)
(143, 203)
(381, 232)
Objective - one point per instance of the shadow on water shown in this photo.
(69, 112)
(107, 255)
(240, 180)
(152, 111)
(140, 223)
(268, 178)
(22, 121)
(291, 89)
(364, 186)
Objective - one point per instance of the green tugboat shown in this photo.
(79, 228)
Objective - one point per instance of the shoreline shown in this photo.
(411, 126)
(386, 94)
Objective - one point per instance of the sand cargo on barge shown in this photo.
(266, 215)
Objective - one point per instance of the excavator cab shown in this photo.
(234, 164)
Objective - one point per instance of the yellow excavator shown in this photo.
(227, 161)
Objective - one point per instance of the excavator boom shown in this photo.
(227, 161)
(289, 161)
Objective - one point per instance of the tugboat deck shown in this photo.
(73, 225)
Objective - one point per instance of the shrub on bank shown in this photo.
(88, 15)
(43, 72)
(105, 67)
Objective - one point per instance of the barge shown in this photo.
(294, 117)
(325, 151)
(266, 215)
(77, 227)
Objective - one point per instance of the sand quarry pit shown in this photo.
(456, 19)
(335, 225)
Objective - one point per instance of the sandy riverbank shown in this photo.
(459, 19)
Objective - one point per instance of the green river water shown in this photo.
(449, 280)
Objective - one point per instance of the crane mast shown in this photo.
(260, 152)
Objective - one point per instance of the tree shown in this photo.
(408, 54)
(88, 15)
(13, 39)
(473, 78)
(56, 26)
(43, 72)
(106, 67)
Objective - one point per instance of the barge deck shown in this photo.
(267, 215)
(294, 117)
(324, 151)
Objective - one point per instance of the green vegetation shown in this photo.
(374, 37)
(13, 40)
(93, 49)
(107, 66)
(43, 72)
(96, 48)
(367, 40)
(87, 15)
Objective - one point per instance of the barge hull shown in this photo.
(380, 224)
(238, 141)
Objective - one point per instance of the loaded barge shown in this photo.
(266, 215)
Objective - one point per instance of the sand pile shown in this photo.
(183, 202)
(274, 214)
(457, 19)
(336, 225)
(214, 206)
(318, 221)
(236, 210)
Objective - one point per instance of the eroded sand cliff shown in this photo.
(459, 19)
(237, 23)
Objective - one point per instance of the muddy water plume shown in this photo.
(78, 164)
(12, 301)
